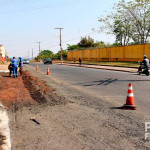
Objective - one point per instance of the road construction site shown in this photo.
(47, 113)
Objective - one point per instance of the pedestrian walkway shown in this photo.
(4, 68)
(114, 68)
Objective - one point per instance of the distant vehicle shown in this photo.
(47, 61)
(26, 61)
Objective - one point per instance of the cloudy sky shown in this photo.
(25, 22)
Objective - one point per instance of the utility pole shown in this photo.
(32, 53)
(28, 55)
(60, 43)
(39, 49)
(39, 46)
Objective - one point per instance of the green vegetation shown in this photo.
(58, 55)
(124, 64)
(130, 23)
(49, 54)
(86, 42)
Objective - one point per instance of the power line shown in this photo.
(50, 6)
(7, 3)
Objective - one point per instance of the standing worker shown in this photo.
(20, 65)
(74, 60)
(80, 60)
(14, 63)
(10, 67)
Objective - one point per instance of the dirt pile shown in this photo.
(13, 92)
(40, 91)
(25, 91)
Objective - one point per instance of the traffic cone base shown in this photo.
(48, 72)
(130, 99)
(129, 107)
(37, 67)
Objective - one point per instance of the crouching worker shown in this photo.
(20, 65)
(14, 63)
(10, 67)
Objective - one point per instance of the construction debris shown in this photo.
(34, 119)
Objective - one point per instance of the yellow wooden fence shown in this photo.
(123, 53)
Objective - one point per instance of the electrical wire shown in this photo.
(68, 3)
(7, 3)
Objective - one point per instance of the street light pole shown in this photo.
(39, 49)
(32, 53)
(60, 43)
(28, 55)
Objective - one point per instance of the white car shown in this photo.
(26, 61)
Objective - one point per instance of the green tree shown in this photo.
(44, 54)
(99, 44)
(58, 55)
(86, 42)
(129, 23)
(72, 47)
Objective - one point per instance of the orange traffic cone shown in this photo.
(48, 72)
(37, 68)
(130, 99)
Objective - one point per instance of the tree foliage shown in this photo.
(86, 42)
(130, 23)
(72, 47)
(44, 54)
(58, 55)
(49, 54)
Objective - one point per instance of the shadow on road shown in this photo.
(108, 81)
(116, 108)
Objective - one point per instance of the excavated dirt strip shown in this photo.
(13, 92)
(16, 93)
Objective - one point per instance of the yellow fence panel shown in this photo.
(135, 51)
(147, 50)
(86, 54)
(94, 54)
(122, 53)
(103, 53)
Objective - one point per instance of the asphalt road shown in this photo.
(109, 85)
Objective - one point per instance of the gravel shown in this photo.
(84, 121)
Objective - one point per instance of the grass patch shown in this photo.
(123, 64)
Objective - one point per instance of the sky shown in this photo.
(26, 22)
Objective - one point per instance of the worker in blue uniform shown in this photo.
(14, 63)
(20, 65)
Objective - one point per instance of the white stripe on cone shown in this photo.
(130, 88)
(130, 95)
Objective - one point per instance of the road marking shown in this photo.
(4, 128)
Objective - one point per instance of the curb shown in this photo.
(113, 69)
(4, 127)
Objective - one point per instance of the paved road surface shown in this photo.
(111, 85)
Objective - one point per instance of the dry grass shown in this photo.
(124, 64)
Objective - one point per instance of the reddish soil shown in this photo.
(40, 91)
(13, 91)
(25, 91)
